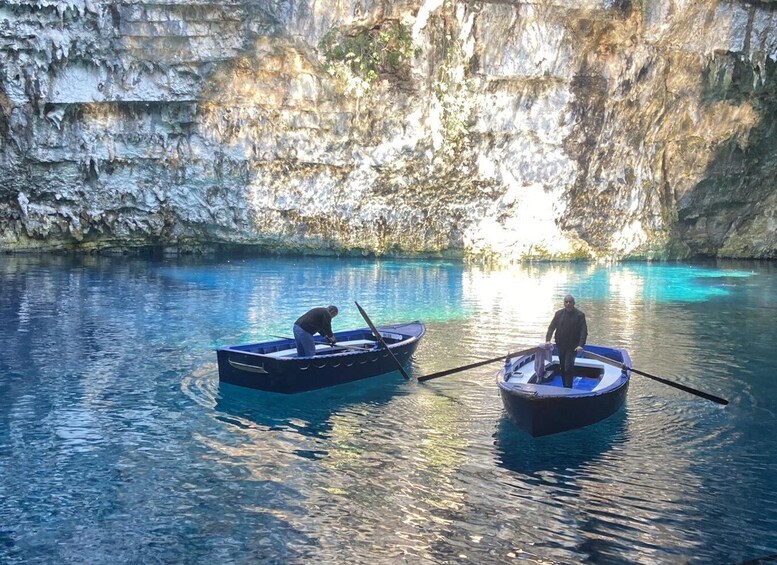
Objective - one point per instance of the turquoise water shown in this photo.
(118, 445)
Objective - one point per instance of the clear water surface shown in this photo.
(119, 445)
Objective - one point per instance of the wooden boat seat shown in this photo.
(356, 342)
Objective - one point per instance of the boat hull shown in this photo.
(243, 366)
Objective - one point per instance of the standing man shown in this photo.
(316, 320)
(571, 333)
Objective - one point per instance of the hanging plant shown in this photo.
(386, 49)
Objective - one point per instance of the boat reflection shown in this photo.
(308, 413)
(519, 452)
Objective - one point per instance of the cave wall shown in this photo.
(503, 130)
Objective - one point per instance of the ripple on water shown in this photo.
(119, 444)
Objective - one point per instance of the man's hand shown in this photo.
(331, 340)
(579, 348)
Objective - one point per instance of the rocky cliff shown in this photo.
(508, 130)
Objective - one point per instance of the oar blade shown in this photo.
(683, 387)
(662, 380)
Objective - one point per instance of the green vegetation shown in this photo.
(368, 53)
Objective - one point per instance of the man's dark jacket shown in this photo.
(317, 320)
(570, 327)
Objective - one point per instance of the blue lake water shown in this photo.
(118, 445)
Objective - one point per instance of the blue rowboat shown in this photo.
(537, 401)
(274, 365)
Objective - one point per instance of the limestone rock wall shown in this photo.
(508, 130)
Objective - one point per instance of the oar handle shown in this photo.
(667, 382)
(354, 347)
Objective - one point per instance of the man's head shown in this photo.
(332, 310)
(569, 303)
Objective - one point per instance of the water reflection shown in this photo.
(309, 413)
(564, 452)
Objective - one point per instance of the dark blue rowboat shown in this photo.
(274, 365)
(536, 400)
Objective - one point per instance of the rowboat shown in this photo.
(274, 365)
(536, 400)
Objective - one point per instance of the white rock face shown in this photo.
(562, 129)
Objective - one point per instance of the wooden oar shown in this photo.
(473, 365)
(706, 395)
(354, 347)
(379, 337)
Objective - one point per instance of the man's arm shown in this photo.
(327, 332)
(552, 327)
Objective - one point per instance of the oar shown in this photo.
(706, 395)
(355, 347)
(379, 337)
(473, 365)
